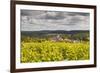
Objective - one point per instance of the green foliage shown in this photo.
(43, 38)
(53, 51)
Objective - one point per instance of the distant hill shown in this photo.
(46, 32)
(54, 32)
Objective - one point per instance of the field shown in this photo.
(50, 51)
(54, 48)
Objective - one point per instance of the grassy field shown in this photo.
(53, 51)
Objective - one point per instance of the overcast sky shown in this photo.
(33, 20)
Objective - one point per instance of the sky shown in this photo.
(36, 20)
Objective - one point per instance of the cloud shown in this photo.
(32, 20)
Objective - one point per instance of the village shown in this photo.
(58, 38)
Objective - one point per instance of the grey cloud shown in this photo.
(31, 12)
(78, 13)
(51, 15)
(53, 20)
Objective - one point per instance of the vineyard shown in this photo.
(54, 51)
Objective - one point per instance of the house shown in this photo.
(56, 38)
